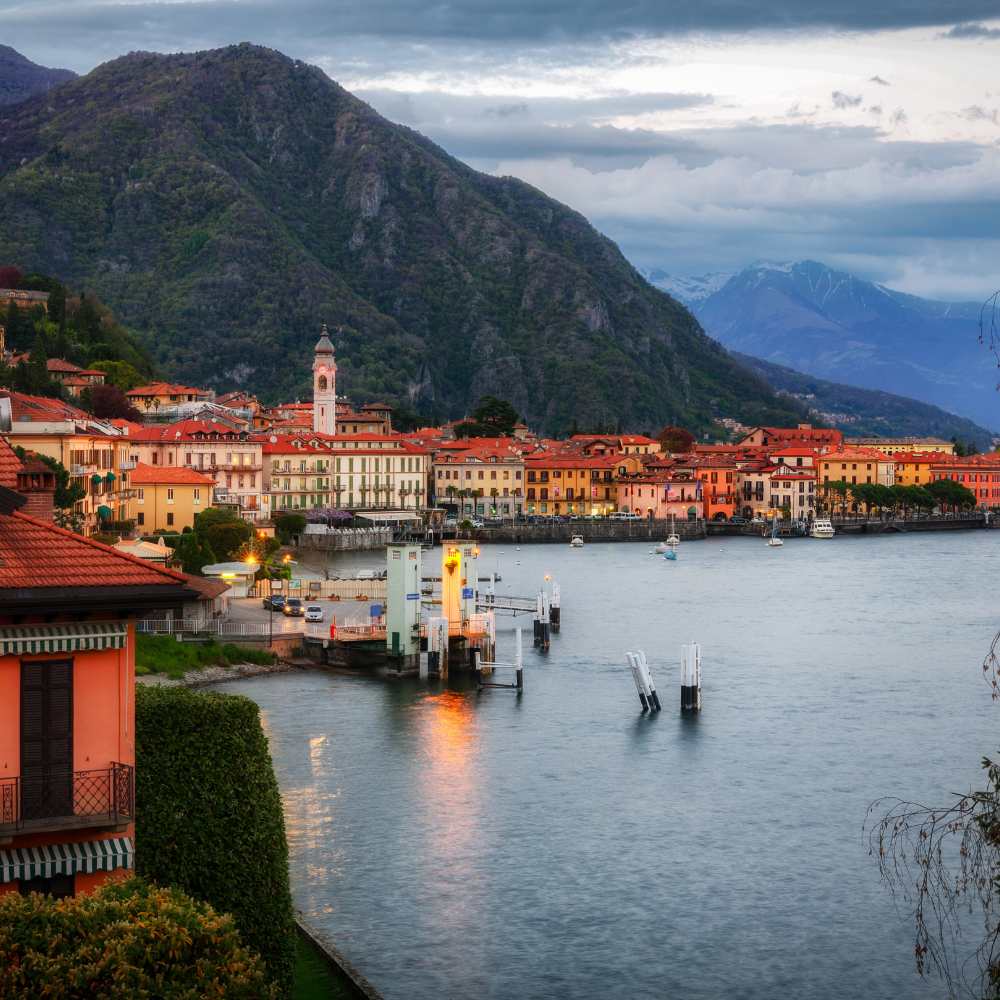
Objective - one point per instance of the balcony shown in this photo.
(67, 801)
(127, 466)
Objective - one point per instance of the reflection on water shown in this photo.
(458, 844)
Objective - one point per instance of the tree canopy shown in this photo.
(676, 440)
(492, 417)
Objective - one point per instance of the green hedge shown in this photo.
(127, 940)
(209, 817)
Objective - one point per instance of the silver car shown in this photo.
(314, 613)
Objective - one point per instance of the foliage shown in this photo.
(211, 821)
(951, 494)
(119, 373)
(492, 417)
(128, 939)
(288, 525)
(223, 532)
(676, 440)
(10, 276)
(194, 552)
(108, 402)
(163, 654)
(442, 283)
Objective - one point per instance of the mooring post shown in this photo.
(691, 677)
(554, 610)
(518, 662)
(545, 625)
(630, 659)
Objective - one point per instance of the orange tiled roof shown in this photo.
(41, 408)
(10, 465)
(36, 555)
(177, 475)
(165, 389)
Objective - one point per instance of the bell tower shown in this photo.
(324, 386)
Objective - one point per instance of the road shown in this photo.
(251, 609)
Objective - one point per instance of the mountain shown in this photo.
(868, 412)
(690, 291)
(20, 77)
(227, 202)
(834, 325)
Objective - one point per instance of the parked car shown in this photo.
(314, 613)
(293, 608)
(476, 522)
(737, 519)
(274, 603)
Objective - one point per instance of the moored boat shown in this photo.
(576, 541)
(822, 527)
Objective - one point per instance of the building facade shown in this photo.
(168, 499)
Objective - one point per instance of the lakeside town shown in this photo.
(329, 460)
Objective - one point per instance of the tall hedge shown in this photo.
(127, 940)
(209, 817)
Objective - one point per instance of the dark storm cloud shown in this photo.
(972, 31)
(81, 30)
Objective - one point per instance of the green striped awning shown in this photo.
(73, 638)
(23, 863)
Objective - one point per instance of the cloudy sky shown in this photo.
(701, 136)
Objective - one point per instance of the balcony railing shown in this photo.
(66, 800)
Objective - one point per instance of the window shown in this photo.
(140, 518)
(197, 496)
(142, 494)
(170, 518)
(170, 494)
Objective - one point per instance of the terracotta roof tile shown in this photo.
(34, 554)
(10, 465)
(179, 475)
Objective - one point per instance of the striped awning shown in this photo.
(23, 863)
(73, 638)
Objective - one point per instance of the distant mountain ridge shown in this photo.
(869, 412)
(815, 319)
(227, 202)
(20, 78)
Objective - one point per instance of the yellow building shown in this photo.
(575, 484)
(902, 445)
(915, 469)
(165, 396)
(167, 499)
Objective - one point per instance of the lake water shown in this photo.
(560, 844)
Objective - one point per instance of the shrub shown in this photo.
(126, 940)
(163, 654)
(209, 817)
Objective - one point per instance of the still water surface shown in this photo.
(561, 845)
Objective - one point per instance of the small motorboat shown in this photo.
(670, 555)
(576, 541)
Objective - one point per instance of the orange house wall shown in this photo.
(103, 730)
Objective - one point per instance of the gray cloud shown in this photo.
(78, 32)
(877, 79)
(972, 30)
(977, 113)
(842, 100)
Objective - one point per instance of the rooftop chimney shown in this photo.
(37, 483)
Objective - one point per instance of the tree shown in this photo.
(120, 374)
(492, 417)
(865, 493)
(108, 402)
(224, 532)
(838, 489)
(10, 276)
(288, 524)
(194, 553)
(119, 942)
(676, 440)
(946, 492)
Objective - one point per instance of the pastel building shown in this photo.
(67, 708)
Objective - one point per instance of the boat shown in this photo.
(673, 539)
(822, 528)
(670, 555)
(774, 541)
(661, 548)
(576, 541)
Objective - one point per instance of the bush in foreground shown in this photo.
(127, 940)
(209, 817)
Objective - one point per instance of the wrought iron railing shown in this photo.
(68, 798)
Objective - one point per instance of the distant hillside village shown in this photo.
(190, 450)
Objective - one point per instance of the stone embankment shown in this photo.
(216, 675)
(324, 539)
(590, 531)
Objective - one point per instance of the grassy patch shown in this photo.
(314, 979)
(163, 654)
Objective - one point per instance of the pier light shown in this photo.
(548, 576)
(453, 560)
(251, 560)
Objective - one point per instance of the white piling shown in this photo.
(691, 677)
(643, 678)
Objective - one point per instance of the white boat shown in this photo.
(661, 548)
(774, 541)
(822, 528)
(673, 539)
(576, 541)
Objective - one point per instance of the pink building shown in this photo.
(661, 496)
